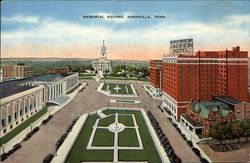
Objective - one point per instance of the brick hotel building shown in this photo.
(155, 77)
(202, 76)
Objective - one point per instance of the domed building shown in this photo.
(102, 64)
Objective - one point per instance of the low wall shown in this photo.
(68, 143)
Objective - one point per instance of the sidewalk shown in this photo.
(51, 110)
(190, 136)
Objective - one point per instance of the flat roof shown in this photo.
(8, 89)
(192, 122)
(50, 77)
(227, 100)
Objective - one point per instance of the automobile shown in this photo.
(203, 160)
(159, 131)
(4, 156)
(163, 136)
(64, 135)
(160, 135)
(165, 142)
(177, 160)
(174, 124)
(60, 141)
(48, 158)
(74, 120)
(170, 151)
(11, 151)
(49, 117)
(34, 130)
(44, 121)
(190, 143)
(167, 147)
(157, 127)
(28, 136)
(17, 146)
(196, 151)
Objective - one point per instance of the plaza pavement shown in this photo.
(43, 142)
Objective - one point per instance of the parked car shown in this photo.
(48, 158)
(4, 156)
(196, 151)
(17, 146)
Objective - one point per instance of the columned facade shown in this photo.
(17, 108)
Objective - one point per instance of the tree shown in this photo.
(217, 131)
(237, 131)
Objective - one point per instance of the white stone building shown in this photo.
(23, 98)
(102, 64)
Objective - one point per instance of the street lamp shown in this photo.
(55, 151)
(3, 147)
(31, 126)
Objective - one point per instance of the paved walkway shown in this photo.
(43, 142)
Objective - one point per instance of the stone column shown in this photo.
(49, 90)
(6, 114)
(52, 93)
(56, 91)
(28, 104)
(13, 112)
(19, 107)
(33, 102)
(24, 105)
(1, 108)
(36, 97)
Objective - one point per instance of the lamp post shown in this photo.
(31, 126)
(3, 147)
(55, 151)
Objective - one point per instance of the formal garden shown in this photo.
(118, 136)
(117, 89)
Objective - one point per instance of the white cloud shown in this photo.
(66, 33)
(239, 18)
(21, 19)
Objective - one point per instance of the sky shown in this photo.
(57, 28)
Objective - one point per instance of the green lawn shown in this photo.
(125, 88)
(73, 89)
(128, 138)
(22, 126)
(125, 101)
(79, 153)
(99, 138)
(149, 153)
(125, 78)
(127, 120)
(107, 121)
(104, 87)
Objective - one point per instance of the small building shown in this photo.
(102, 64)
(201, 116)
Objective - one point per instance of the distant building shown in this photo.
(155, 75)
(202, 76)
(1, 74)
(62, 70)
(22, 98)
(16, 71)
(102, 64)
